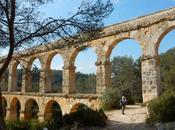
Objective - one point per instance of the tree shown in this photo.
(126, 76)
(21, 25)
(123, 71)
(167, 69)
(137, 91)
(85, 83)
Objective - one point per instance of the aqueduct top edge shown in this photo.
(126, 26)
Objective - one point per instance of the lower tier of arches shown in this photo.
(34, 106)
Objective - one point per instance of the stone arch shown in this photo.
(160, 34)
(52, 111)
(4, 106)
(78, 50)
(125, 85)
(15, 108)
(86, 76)
(31, 60)
(14, 67)
(74, 55)
(34, 83)
(12, 86)
(49, 72)
(164, 34)
(50, 57)
(76, 106)
(31, 109)
(116, 42)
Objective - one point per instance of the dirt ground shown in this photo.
(134, 119)
(133, 114)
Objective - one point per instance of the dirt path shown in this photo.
(134, 119)
(133, 114)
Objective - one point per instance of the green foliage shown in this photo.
(57, 80)
(24, 125)
(35, 79)
(167, 69)
(86, 116)
(126, 76)
(56, 120)
(19, 77)
(17, 125)
(85, 83)
(144, 104)
(162, 109)
(110, 99)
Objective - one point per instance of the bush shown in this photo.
(24, 125)
(17, 125)
(110, 99)
(56, 121)
(162, 109)
(86, 116)
(144, 104)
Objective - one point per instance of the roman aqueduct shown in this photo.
(147, 30)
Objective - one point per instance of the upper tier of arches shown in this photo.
(148, 31)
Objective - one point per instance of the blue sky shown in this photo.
(123, 10)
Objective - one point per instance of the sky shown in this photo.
(123, 10)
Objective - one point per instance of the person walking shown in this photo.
(123, 102)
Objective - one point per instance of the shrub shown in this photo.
(162, 109)
(56, 121)
(110, 99)
(144, 104)
(35, 125)
(17, 125)
(86, 116)
(24, 125)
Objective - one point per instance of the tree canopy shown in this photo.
(21, 25)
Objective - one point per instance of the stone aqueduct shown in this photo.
(147, 30)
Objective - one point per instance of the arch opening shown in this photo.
(19, 74)
(15, 108)
(53, 112)
(86, 71)
(125, 57)
(31, 110)
(56, 67)
(35, 73)
(166, 52)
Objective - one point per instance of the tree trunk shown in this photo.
(2, 123)
(2, 70)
